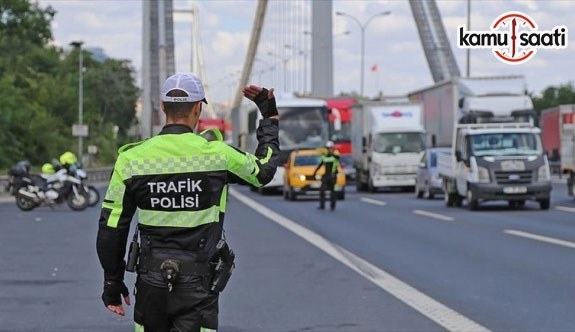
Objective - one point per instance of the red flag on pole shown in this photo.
(374, 67)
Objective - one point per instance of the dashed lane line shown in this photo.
(565, 208)
(541, 238)
(448, 318)
(433, 215)
(373, 201)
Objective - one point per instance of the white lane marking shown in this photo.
(541, 238)
(373, 201)
(565, 208)
(439, 313)
(433, 215)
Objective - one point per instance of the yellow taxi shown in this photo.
(298, 176)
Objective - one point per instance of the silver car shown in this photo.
(347, 165)
(428, 183)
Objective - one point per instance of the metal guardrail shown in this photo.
(94, 175)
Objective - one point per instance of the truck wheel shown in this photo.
(427, 194)
(418, 193)
(545, 203)
(458, 201)
(472, 202)
(370, 186)
(292, 196)
(449, 199)
(360, 186)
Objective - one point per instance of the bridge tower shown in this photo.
(434, 40)
(158, 61)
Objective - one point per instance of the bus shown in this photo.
(340, 130)
(218, 123)
(303, 125)
(340, 122)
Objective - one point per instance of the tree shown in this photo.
(554, 96)
(39, 91)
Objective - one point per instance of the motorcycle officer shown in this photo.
(330, 162)
(177, 181)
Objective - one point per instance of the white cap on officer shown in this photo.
(329, 144)
(186, 82)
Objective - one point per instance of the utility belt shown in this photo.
(218, 269)
(185, 268)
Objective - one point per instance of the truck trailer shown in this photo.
(496, 151)
(558, 132)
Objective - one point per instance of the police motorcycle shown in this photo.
(93, 193)
(33, 190)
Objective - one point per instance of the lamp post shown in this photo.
(78, 46)
(363, 27)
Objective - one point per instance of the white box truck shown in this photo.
(496, 151)
(387, 143)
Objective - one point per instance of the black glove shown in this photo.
(267, 106)
(113, 290)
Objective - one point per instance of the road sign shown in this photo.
(80, 130)
(92, 149)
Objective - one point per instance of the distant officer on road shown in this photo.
(177, 181)
(330, 162)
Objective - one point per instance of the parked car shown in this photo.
(299, 178)
(346, 161)
(428, 183)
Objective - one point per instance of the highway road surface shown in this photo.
(382, 261)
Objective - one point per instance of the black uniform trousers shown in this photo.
(327, 184)
(187, 308)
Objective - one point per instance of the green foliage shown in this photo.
(554, 96)
(39, 91)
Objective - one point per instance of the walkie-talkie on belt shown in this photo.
(224, 266)
(133, 253)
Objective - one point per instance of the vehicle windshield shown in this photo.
(399, 142)
(505, 144)
(346, 160)
(306, 160)
(341, 136)
(302, 127)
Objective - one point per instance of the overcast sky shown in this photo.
(392, 42)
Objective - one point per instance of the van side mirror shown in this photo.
(458, 156)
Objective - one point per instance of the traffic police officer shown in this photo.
(178, 181)
(330, 162)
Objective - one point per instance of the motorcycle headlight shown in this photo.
(483, 175)
(543, 174)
